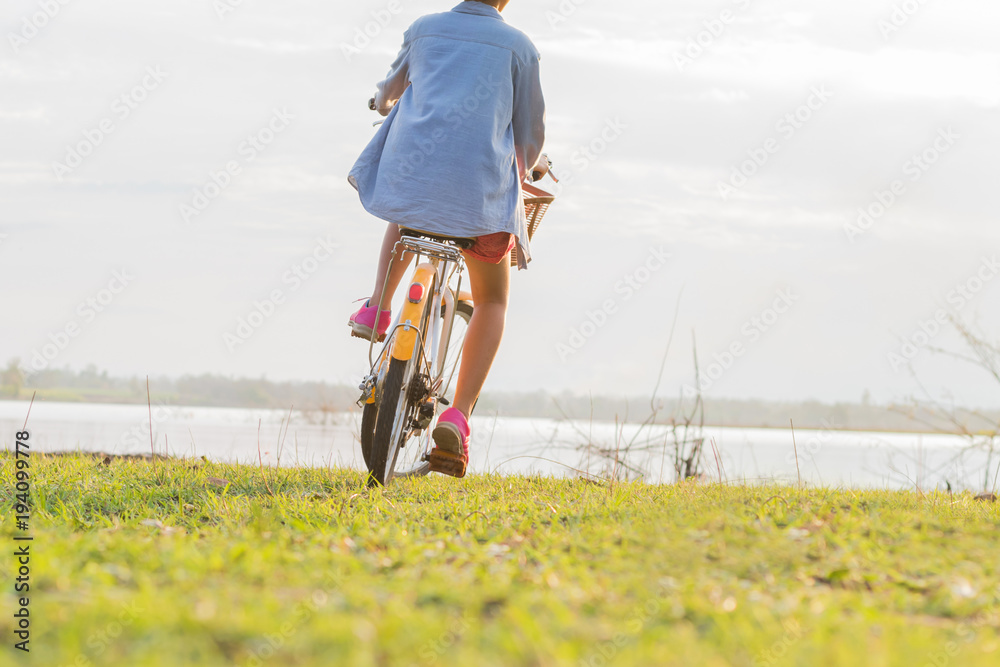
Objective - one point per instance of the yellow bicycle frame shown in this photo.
(406, 339)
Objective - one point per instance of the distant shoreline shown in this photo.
(91, 386)
(803, 427)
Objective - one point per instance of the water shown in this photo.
(506, 445)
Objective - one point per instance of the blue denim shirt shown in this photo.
(466, 120)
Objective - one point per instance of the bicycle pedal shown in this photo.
(447, 463)
(355, 334)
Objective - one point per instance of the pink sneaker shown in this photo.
(362, 321)
(450, 456)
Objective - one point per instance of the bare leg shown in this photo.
(490, 294)
(399, 267)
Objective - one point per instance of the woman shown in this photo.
(465, 123)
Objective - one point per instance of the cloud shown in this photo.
(655, 184)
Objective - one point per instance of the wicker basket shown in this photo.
(536, 203)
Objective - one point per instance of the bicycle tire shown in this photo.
(465, 308)
(379, 419)
(463, 311)
(368, 416)
(392, 407)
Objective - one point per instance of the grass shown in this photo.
(195, 563)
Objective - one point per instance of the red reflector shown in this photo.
(416, 293)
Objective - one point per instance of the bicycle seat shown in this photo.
(462, 243)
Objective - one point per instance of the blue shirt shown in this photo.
(466, 120)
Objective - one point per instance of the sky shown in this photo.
(810, 187)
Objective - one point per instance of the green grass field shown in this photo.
(193, 563)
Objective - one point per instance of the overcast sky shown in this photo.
(114, 114)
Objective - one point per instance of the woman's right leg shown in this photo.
(490, 293)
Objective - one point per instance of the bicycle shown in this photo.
(413, 372)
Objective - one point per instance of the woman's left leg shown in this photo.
(382, 283)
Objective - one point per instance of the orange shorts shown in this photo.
(492, 248)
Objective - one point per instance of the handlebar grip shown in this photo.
(541, 169)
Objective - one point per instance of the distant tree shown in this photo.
(12, 379)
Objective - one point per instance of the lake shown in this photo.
(508, 445)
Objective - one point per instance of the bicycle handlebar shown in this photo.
(543, 167)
